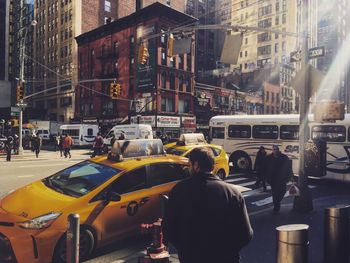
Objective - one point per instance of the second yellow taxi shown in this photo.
(188, 141)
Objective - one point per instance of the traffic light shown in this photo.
(143, 54)
(171, 45)
(114, 90)
(19, 93)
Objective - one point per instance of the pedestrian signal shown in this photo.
(114, 90)
(171, 45)
(19, 93)
(143, 54)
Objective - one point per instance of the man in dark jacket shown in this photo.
(206, 219)
(279, 172)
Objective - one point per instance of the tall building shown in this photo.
(207, 13)
(127, 7)
(23, 30)
(55, 51)
(260, 48)
(333, 30)
(158, 91)
(5, 49)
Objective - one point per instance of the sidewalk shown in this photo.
(28, 155)
(262, 249)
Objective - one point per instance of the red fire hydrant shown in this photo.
(156, 252)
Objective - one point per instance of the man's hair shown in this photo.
(204, 157)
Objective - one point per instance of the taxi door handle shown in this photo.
(144, 200)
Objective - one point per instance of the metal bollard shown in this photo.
(292, 243)
(336, 234)
(164, 202)
(73, 238)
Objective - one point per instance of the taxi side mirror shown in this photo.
(113, 197)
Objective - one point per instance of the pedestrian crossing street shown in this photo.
(246, 185)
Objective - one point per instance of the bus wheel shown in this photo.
(241, 162)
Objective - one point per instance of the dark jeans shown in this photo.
(8, 156)
(260, 178)
(37, 151)
(67, 152)
(97, 151)
(278, 192)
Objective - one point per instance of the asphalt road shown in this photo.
(24, 170)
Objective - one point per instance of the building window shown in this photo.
(188, 85)
(163, 80)
(276, 47)
(181, 63)
(264, 50)
(277, 20)
(246, 53)
(181, 82)
(184, 106)
(267, 98)
(116, 48)
(264, 37)
(284, 18)
(168, 104)
(265, 23)
(107, 6)
(163, 57)
(188, 62)
(172, 81)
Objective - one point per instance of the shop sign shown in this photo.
(188, 122)
(150, 120)
(110, 121)
(168, 121)
(90, 121)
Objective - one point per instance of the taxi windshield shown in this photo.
(175, 151)
(80, 179)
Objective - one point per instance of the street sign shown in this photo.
(295, 56)
(316, 52)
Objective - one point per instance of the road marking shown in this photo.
(235, 180)
(26, 176)
(42, 165)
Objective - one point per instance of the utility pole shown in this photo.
(303, 202)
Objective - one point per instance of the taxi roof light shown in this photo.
(191, 139)
(134, 149)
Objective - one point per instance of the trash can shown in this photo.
(292, 243)
(336, 234)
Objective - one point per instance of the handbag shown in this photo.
(294, 190)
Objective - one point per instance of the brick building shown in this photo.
(159, 93)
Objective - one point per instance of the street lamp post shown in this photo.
(21, 104)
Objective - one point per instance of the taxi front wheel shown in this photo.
(86, 242)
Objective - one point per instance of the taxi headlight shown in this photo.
(40, 222)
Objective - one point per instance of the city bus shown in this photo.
(242, 135)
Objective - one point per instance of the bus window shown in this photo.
(90, 132)
(329, 133)
(239, 131)
(265, 131)
(218, 133)
(289, 132)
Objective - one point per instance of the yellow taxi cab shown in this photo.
(112, 194)
(189, 141)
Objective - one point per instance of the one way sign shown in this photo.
(295, 56)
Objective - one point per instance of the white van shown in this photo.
(131, 131)
(82, 134)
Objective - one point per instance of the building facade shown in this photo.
(159, 92)
(5, 49)
(55, 55)
(260, 48)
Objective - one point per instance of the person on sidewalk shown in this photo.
(36, 144)
(206, 218)
(67, 144)
(279, 172)
(98, 145)
(16, 144)
(260, 168)
(60, 144)
(8, 148)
